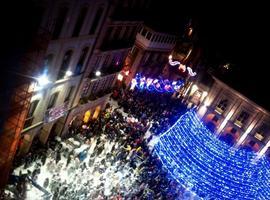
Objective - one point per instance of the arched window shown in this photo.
(52, 100)
(30, 114)
(64, 65)
(81, 60)
(80, 21)
(47, 63)
(62, 14)
(222, 105)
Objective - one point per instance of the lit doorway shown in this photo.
(87, 116)
(97, 111)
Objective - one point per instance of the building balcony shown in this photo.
(154, 41)
(98, 87)
(95, 96)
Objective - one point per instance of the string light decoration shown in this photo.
(198, 160)
(181, 66)
(158, 84)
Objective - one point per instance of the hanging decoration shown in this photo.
(159, 85)
(181, 66)
(198, 160)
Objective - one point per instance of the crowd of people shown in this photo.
(106, 158)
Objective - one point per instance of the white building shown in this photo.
(85, 39)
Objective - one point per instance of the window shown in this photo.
(81, 60)
(64, 65)
(242, 118)
(32, 108)
(79, 21)
(69, 93)
(47, 62)
(62, 14)
(96, 20)
(222, 105)
(30, 114)
(52, 100)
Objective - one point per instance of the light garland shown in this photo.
(158, 85)
(181, 66)
(195, 158)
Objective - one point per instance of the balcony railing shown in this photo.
(153, 44)
(95, 96)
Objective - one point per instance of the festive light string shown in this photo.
(181, 66)
(195, 158)
(158, 85)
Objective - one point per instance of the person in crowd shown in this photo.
(118, 163)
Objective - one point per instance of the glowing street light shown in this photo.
(98, 73)
(120, 77)
(69, 73)
(126, 73)
(43, 80)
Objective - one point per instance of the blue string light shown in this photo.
(158, 85)
(198, 160)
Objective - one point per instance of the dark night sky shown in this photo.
(228, 32)
(233, 33)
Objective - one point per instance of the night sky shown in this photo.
(230, 33)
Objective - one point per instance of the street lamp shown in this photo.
(120, 77)
(43, 80)
(69, 73)
(98, 73)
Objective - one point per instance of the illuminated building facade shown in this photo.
(232, 116)
(89, 43)
(150, 52)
